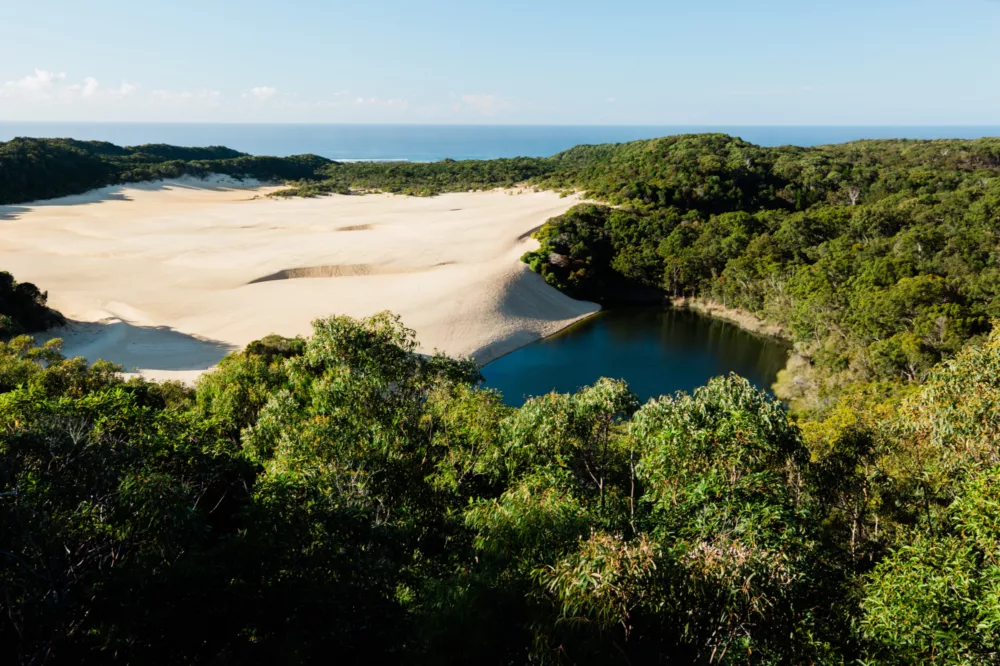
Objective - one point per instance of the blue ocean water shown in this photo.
(425, 143)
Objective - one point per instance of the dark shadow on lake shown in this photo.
(657, 350)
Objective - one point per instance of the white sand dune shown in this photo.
(167, 278)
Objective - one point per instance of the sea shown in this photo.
(429, 143)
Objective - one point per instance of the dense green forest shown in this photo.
(341, 498)
(32, 169)
(878, 258)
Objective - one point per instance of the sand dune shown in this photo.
(167, 278)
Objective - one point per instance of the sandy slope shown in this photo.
(169, 277)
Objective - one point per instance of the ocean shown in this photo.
(428, 143)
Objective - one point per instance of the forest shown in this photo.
(340, 497)
(878, 258)
(34, 169)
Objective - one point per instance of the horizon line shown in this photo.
(411, 124)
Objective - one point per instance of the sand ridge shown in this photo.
(168, 277)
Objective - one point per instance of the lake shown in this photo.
(657, 350)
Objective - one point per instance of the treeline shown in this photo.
(23, 308)
(33, 169)
(342, 498)
(422, 178)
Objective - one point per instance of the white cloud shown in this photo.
(486, 105)
(39, 84)
(90, 87)
(44, 87)
(52, 94)
(40, 80)
(263, 93)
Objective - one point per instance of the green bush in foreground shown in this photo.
(339, 497)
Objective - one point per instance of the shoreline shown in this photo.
(563, 329)
(125, 333)
(744, 319)
(796, 365)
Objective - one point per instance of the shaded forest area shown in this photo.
(342, 498)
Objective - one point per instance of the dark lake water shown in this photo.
(656, 350)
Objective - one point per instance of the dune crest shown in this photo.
(168, 279)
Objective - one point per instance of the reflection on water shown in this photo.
(656, 350)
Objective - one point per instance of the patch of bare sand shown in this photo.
(169, 277)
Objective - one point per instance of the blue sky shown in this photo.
(771, 62)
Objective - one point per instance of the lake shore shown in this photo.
(168, 277)
(745, 319)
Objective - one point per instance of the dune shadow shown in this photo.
(342, 270)
(117, 192)
(11, 212)
(139, 347)
(528, 296)
(527, 234)
(330, 271)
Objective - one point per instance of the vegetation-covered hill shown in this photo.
(32, 169)
(422, 178)
(340, 498)
(878, 257)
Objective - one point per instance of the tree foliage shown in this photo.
(877, 257)
(341, 495)
(23, 308)
(33, 169)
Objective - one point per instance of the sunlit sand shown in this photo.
(167, 278)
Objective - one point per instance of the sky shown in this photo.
(620, 62)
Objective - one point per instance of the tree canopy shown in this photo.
(341, 497)
(877, 257)
(33, 169)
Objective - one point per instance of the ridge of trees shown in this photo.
(878, 257)
(34, 169)
(342, 497)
